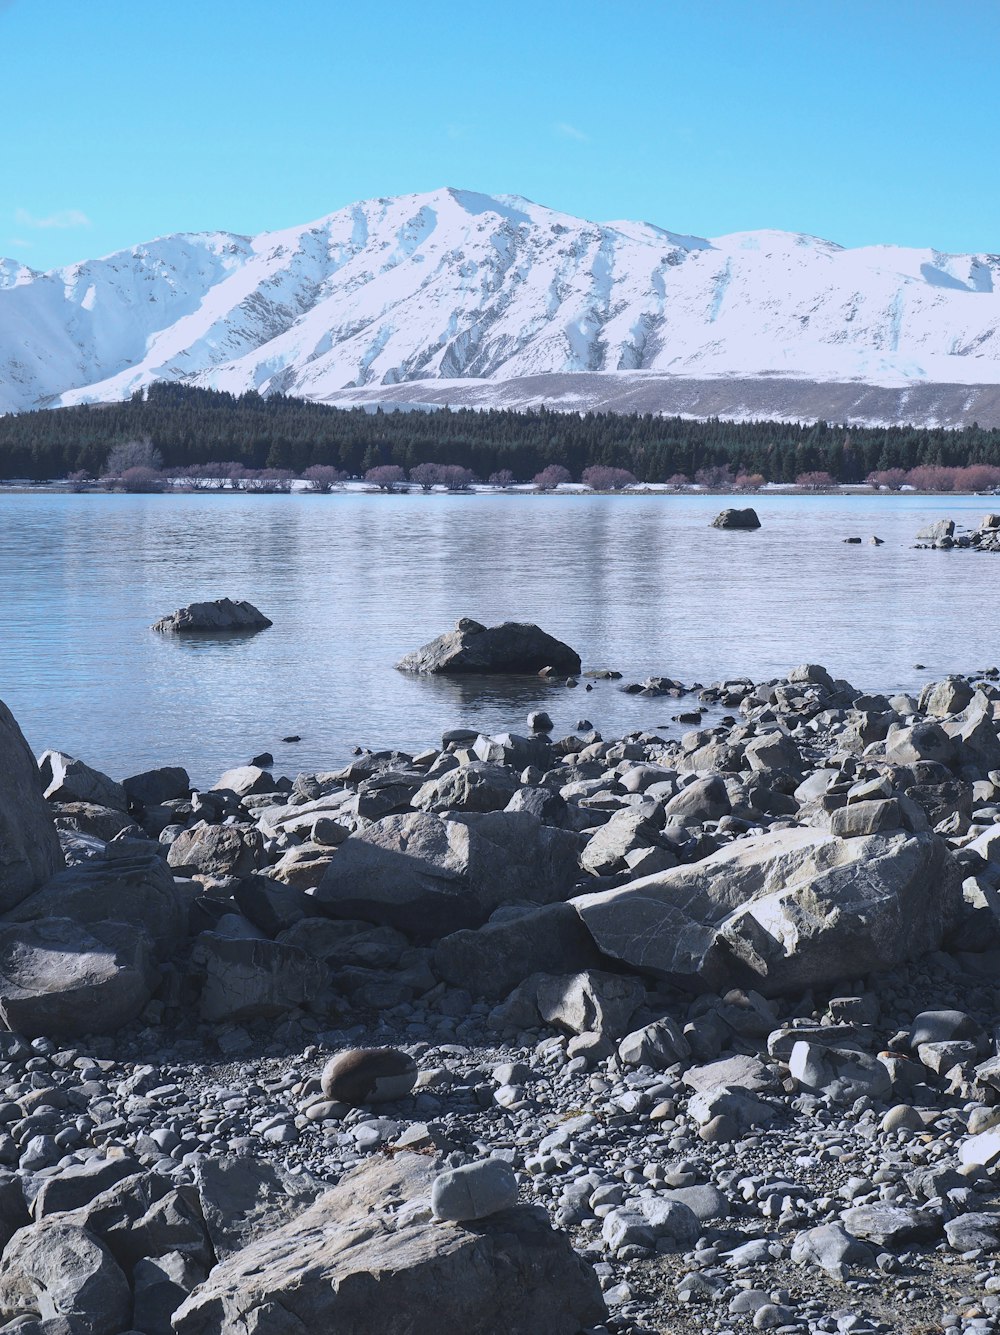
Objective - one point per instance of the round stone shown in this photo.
(902, 1118)
(368, 1075)
(474, 1190)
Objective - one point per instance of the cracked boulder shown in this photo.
(783, 911)
(368, 1255)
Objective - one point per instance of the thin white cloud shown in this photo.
(65, 218)
(566, 131)
(20, 242)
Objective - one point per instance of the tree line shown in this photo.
(192, 428)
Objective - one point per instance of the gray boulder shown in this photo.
(891, 1225)
(67, 780)
(59, 1270)
(514, 647)
(832, 1248)
(974, 733)
(104, 823)
(590, 1002)
(941, 528)
(491, 960)
(367, 1256)
(705, 799)
(922, 741)
(944, 698)
(657, 1045)
(841, 1074)
(248, 979)
(782, 911)
(474, 1190)
(244, 1199)
(978, 1231)
(745, 519)
(626, 832)
(60, 979)
(427, 876)
(138, 890)
(79, 1183)
(29, 844)
(223, 616)
(218, 850)
(154, 786)
(161, 1284)
(474, 787)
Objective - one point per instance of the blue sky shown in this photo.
(857, 120)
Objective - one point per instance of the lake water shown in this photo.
(352, 582)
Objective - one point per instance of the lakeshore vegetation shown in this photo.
(200, 429)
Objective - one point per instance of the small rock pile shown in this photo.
(519, 1033)
(942, 536)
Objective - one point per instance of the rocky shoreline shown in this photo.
(719, 1014)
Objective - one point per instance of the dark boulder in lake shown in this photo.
(218, 617)
(514, 647)
(737, 519)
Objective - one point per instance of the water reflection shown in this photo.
(352, 583)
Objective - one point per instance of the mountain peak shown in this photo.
(468, 288)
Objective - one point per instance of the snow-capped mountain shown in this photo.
(461, 297)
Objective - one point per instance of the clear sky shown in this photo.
(856, 120)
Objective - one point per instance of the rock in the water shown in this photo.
(474, 1191)
(737, 519)
(29, 845)
(360, 1260)
(59, 1270)
(941, 528)
(514, 647)
(427, 876)
(369, 1075)
(60, 979)
(782, 911)
(224, 615)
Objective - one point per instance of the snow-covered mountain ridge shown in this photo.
(462, 297)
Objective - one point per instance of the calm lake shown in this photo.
(352, 582)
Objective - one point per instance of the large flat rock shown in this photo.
(427, 876)
(368, 1257)
(782, 912)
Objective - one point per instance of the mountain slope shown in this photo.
(467, 290)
